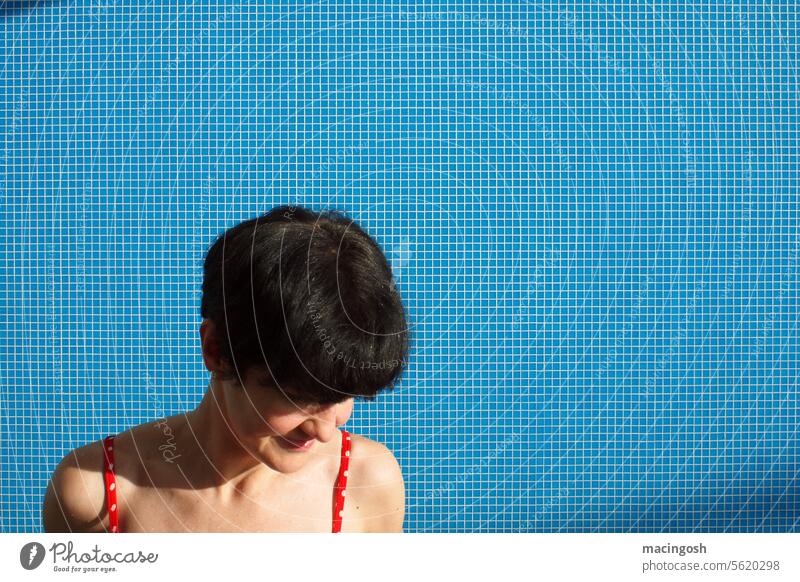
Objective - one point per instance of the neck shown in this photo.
(220, 457)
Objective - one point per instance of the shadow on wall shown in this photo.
(17, 8)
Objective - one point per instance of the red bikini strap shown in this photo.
(341, 483)
(111, 483)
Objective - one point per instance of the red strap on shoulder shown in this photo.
(111, 483)
(341, 483)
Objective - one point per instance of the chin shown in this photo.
(282, 460)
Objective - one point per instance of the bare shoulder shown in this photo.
(376, 490)
(75, 497)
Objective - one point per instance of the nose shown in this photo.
(321, 423)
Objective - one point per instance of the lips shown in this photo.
(296, 445)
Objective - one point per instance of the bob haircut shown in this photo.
(309, 300)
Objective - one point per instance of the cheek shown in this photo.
(244, 420)
(253, 423)
(269, 424)
(274, 424)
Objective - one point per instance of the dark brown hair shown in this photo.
(309, 299)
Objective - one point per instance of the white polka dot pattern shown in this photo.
(111, 483)
(341, 483)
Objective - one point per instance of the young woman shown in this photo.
(300, 318)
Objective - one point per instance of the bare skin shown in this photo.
(225, 467)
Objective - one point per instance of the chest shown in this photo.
(299, 509)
